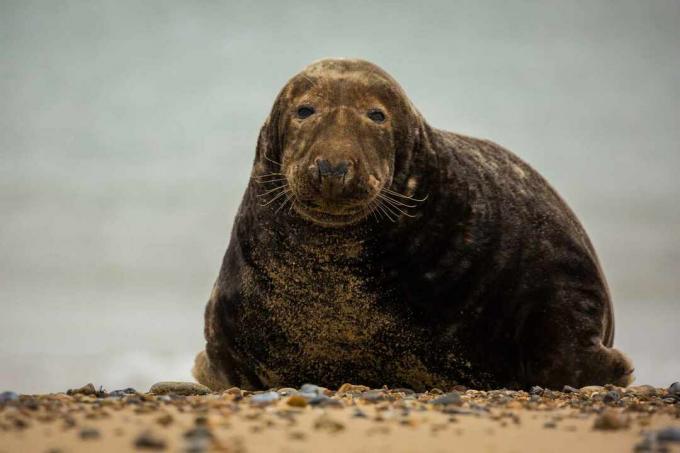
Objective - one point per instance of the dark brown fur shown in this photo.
(485, 278)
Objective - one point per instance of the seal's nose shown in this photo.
(325, 168)
(332, 176)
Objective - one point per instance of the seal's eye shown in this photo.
(376, 115)
(305, 111)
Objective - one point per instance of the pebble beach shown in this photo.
(183, 416)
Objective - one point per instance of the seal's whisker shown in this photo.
(272, 190)
(397, 202)
(271, 160)
(371, 210)
(276, 197)
(392, 192)
(271, 180)
(393, 206)
(282, 204)
(382, 208)
(392, 209)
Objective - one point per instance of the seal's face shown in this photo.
(338, 128)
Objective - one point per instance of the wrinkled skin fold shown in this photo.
(482, 276)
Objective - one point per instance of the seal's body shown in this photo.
(374, 249)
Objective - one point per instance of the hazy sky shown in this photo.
(128, 131)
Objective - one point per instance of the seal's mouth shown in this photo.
(326, 216)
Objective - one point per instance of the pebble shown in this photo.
(569, 389)
(611, 396)
(179, 388)
(326, 423)
(87, 389)
(373, 395)
(297, 401)
(591, 389)
(536, 390)
(351, 388)
(89, 433)
(8, 396)
(670, 434)
(611, 420)
(643, 390)
(324, 401)
(287, 391)
(150, 441)
(311, 389)
(265, 398)
(123, 392)
(358, 413)
(674, 389)
(448, 398)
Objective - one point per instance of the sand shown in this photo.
(352, 419)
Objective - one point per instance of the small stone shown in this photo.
(297, 401)
(358, 413)
(674, 389)
(311, 389)
(287, 391)
(179, 388)
(326, 423)
(436, 391)
(670, 434)
(448, 398)
(165, 420)
(643, 390)
(373, 395)
(149, 441)
(87, 389)
(324, 401)
(123, 392)
(536, 390)
(8, 396)
(550, 424)
(569, 389)
(611, 397)
(351, 388)
(611, 420)
(591, 389)
(89, 433)
(265, 398)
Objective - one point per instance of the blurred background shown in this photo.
(127, 132)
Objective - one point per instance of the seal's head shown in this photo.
(337, 136)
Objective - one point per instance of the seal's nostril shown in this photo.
(326, 168)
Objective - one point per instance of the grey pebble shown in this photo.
(611, 396)
(123, 392)
(373, 395)
(149, 441)
(359, 413)
(312, 389)
(536, 390)
(674, 389)
(8, 396)
(324, 401)
(569, 389)
(265, 397)
(447, 398)
(670, 434)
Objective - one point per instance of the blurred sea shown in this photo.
(127, 131)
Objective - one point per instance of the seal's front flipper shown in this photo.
(207, 375)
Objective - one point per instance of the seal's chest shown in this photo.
(322, 302)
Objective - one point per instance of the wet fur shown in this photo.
(493, 283)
